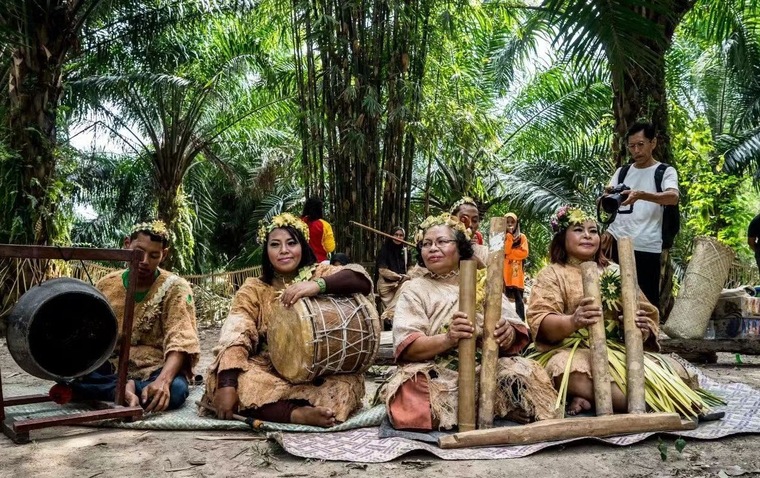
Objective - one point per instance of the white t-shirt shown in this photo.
(644, 223)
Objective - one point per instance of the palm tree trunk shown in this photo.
(639, 92)
(35, 89)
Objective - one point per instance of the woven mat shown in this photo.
(185, 418)
(365, 445)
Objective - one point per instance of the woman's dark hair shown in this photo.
(153, 237)
(391, 255)
(307, 255)
(558, 253)
(313, 208)
(341, 258)
(463, 245)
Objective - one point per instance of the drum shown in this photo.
(324, 335)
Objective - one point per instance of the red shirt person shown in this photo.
(321, 238)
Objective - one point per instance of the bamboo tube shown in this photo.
(494, 290)
(372, 229)
(567, 428)
(634, 342)
(598, 341)
(466, 399)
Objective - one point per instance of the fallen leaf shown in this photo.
(197, 462)
(417, 465)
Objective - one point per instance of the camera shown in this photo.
(611, 201)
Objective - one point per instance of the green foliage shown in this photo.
(713, 204)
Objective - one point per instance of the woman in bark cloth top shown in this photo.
(558, 315)
(427, 327)
(241, 379)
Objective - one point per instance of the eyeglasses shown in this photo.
(439, 243)
(634, 146)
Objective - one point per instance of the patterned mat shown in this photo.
(365, 445)
(185, 418)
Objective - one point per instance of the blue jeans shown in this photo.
(101, 385)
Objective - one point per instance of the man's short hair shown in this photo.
(648, 128)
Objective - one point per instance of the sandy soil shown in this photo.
(88, 452)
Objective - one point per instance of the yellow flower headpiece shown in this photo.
(464, 200)
(441, 220)
(157, 228)
(567, 216)
(283, 220)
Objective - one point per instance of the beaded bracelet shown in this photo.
(322, 285)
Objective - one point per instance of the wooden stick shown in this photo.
(598, 341)
(634, 341)
(494, 291)
(566, 428)
(247, 420)
(466, 399)
(382, 233)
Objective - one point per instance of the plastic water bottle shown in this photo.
(710, 332)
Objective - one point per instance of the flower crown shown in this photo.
(568, 215)
(464, 200)
(441, 220)
(282, 220)
(156, 228)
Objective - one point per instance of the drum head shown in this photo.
(290, 339)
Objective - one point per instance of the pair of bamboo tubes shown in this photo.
(605, 424)
(466, 408)
(634, 345)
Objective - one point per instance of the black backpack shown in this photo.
(671, 216)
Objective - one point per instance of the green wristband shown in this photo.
(322, 285)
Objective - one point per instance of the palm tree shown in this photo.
(37, 41)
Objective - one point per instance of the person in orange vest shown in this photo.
(321, 239)
(515, 252)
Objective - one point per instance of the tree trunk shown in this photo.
(35, 90)
(638, 89)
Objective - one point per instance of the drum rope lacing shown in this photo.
(364, 343)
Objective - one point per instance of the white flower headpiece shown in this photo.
(464, 200)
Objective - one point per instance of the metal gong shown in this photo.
(61, 329)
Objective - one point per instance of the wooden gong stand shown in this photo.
(18, 429)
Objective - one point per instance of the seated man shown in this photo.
(165, 344)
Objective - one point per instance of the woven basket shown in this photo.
(700, 289)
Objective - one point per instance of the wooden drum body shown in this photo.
(324, 335)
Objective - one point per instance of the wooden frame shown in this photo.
(18, 430)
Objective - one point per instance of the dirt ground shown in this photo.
(89, 452)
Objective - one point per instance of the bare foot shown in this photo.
(317, 416)
(130, 396)
(578, 405)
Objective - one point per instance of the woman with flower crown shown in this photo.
(558, 316)
(427, 327)
(241, 379)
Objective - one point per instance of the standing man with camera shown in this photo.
(641, 213)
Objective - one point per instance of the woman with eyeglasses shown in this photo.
(427, 327)
(391, 265)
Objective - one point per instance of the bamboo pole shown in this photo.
(568, 428)
(382, 233)
(634, 342)
(598, 341)
(494, 291)
(466, 399)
